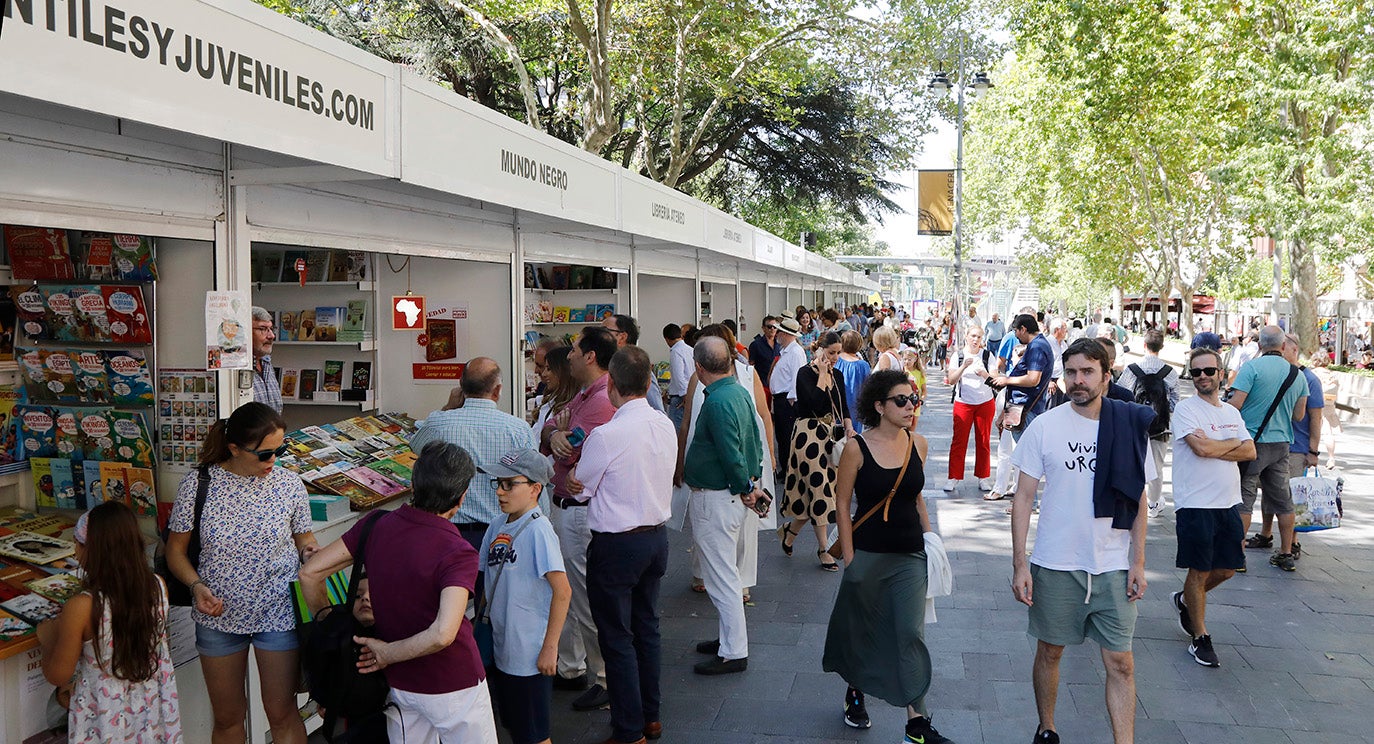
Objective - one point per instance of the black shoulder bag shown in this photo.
(178, 594)
(329, 655)
(1245, 465)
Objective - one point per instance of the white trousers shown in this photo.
(578, 650)
(717, 518)
(746, 556)
(459, 716)
(1155, 488)
(1006, 474)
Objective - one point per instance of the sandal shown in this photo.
(831, 567)
(698, 587)
(993, 496)
(1259, 542)
(783, 532)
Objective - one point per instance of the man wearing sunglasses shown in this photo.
(1209, 438)
(764, 351)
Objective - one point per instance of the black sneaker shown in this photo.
(919, 731)
(1046, 737)
(595, 698)
(1185, 621)
(855, 713)
(1201, 649)
(577, 683)
(1284, 561)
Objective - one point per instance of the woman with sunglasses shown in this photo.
(876, 636)
(255, 532)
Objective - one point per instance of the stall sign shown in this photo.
(408, 313)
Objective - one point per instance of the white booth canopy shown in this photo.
(236, 72)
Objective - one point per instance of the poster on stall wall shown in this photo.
(228, 316)
(441, 350)
(187, 407)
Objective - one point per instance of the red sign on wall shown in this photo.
(408, 313)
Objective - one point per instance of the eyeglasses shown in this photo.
(265, 329)
(267, 454)
(506, 484)
(903, 401)
(770, 327)
(1202, 371)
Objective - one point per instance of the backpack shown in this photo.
(1150, 390)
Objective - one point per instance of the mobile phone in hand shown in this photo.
(577, 436)
(762, 504)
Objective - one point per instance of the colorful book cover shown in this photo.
(32, 547)
(561, 276)
(354, 322)
(72, 442)
(31, 313)
(96, 251)
(9, 325)
(130, 382)
(58, 587)
(327, 321)
(333, 376)
(59, 377)
(362, 376)
(38, 253)
(375, 481)
(38, 430)
(90, 477)
(581, 278)
(442, 340)
(44, 491)
(133, 258)
(579, 315)
(132, 442)
(92, 377)
(128, 316)
(603, 312)
(90, 314)
(288, 324)
(58, 313)
(342, 485)
(115, 486)
(392, 470)
(139, 485)
(31, 373)
(10, 450)
(288, 266)
(31, 608)
(63, 484)
(52, 525)
(12, 627)
(591, 316)
(305, 325)
(290, 382)
(561, 314)
(545, 311)
(310, 382)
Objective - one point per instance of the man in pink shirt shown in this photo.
(579, 657)
(626, 476)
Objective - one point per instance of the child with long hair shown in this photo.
(112, 637)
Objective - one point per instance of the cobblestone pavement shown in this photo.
(1297, 649)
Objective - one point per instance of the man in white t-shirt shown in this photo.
(1209, 439)
(1088, 566)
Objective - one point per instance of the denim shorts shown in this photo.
(211, 642)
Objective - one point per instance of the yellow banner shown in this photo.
(935, 198)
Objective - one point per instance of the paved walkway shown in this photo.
(1297, 649)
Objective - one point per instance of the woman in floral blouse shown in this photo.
(255, 532)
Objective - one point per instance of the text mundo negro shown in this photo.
(541, 173)
(112, 28)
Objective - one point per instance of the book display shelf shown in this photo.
(324, 304)
(562, 298)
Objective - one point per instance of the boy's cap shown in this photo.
(526, 462)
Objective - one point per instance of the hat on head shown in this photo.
(526, 462)
(789, 326)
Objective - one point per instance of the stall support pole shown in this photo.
(233, 248)
(696, 292)
(632, 280)
(516, 381)
(739, 301)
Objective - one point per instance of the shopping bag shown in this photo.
(1314, 502)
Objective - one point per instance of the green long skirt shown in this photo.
(876, 637)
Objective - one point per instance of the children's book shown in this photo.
(577, 315)
(129, 432)
(128, 316)
(10, 450)
(94, 488)
(38, 430)
(113, 482)
(30, 313)
(58, 587)
(92, 377)
(31, 608)
(133, 258)
(59, 377)
(12, 627)
(38, 253)
(31, 372)
(91, 315)
(142, 492)
(604, 311)
(9, 317)
(64, 485)
(129, 379)
(32, 547)
(72, 442)
(562, 314)
(44, 491)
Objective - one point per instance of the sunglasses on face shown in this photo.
(1202, 371)
(506, 484)
(267, 454)
(771, 327)
(903, 401)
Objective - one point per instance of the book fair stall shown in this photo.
(393, 230)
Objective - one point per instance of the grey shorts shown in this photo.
(1267, 476)
(1069, 606)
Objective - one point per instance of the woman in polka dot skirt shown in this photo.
(822, 419)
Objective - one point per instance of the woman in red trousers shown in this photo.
(973, 408)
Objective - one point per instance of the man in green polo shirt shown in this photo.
(722, 467)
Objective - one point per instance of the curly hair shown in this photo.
(877, 389)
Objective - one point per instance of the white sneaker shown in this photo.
(985, 484)
(1156, 509)
(951, 484)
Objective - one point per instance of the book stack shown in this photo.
(327, 508)
(365, 459)
(351, 323)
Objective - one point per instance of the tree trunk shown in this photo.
(1303, 268)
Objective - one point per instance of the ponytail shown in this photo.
(246, 427)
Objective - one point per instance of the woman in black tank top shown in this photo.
(876, 636)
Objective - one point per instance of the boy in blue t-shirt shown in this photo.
(527, 594)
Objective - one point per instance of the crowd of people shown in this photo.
(531, 554)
